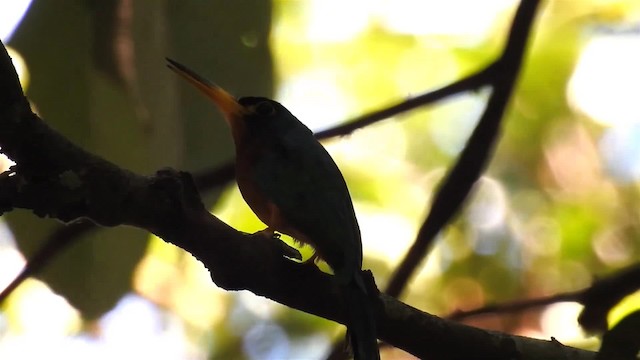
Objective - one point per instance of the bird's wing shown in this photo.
(302, 180)
(298, 175)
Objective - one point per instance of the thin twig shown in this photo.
(468, 83)
(58, 240)
(516, 306)
(597, 299)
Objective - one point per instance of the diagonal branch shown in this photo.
(56, 242)
(475, 156)
(468, 83)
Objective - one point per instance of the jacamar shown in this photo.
(293, 185)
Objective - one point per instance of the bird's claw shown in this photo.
(269, 233)
(290, 252)
(287, 251)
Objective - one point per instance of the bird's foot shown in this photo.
(287, 251)
(269, 233)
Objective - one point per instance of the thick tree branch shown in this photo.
(222, 175)
(54, 178)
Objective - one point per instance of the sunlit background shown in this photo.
(558, 205)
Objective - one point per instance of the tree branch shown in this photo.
(468, 83)
(222, 175)
(597, 299)
(54, 244)
(56, 179)
(475, 155)
(516, 306)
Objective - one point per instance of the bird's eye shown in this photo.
(265, 108)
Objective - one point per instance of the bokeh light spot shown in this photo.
(488, 206)
(613, 247)
(542, 236)
(463, 294)
(314, 97)
(336, 20)
(444, 17)
(620, 149)
(266, 340)
(606, 81)
(11, 13)
(560, 319)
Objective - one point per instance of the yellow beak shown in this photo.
(227, 104)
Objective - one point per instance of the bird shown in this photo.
(292, 184)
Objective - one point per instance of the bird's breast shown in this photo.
(253, 196)
(259, 201)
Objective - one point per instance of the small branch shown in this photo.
(55, 244)
(516, 306)
(598, 299)
(468, 83)
(475, 156)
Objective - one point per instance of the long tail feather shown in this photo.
(362, 326)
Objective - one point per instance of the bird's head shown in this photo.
(247, 116)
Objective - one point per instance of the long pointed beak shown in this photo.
(227, 104)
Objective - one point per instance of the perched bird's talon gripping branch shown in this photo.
(290, 181)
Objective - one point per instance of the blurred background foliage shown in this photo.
(556, 208)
